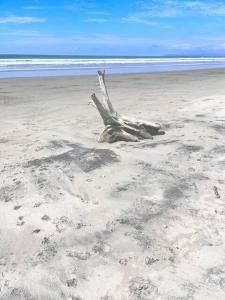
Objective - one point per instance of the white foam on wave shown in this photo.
(83, 61)
(53, 64)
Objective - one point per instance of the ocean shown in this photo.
(58, 65)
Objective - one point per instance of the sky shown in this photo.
(113, 27)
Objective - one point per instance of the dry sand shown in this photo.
(139, 221)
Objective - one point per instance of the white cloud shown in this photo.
(207, 7)
(161, 8)
(23, 33)
(176, 8)
(21, 20)
(98, 13)
(33, 7)
(139, 18)
(150, 10)
(96, 20)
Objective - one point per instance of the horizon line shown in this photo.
(116, 56)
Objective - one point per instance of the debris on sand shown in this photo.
(36, 231)
(215, 189)
(45, 218)
(150, 260)
(141, 289)
(71, 282)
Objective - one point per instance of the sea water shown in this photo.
(59, 65)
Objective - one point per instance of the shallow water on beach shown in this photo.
(38, 66)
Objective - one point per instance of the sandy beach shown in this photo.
(124, 221)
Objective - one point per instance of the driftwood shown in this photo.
(118, 128)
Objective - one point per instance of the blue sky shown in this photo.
(112, 27)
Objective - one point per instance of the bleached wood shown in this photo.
(120, 128)
(106, 101)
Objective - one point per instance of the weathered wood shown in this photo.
(108, 104)
(120, 128)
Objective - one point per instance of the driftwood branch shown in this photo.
(119, 128)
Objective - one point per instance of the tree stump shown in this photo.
(118, 128)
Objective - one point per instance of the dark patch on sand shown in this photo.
(200, 116)
(7, 192)
(3, 141)
(219, 128)
(216, 275)
(155, 144)
(135, 220)
(173, 193)
(123, 188)
(141, 213)
(198, 176)
(190, 148)
(142, 289)
(88, 159)
(218, 149)
(48, 250)
(19, 293)
(56, 144)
